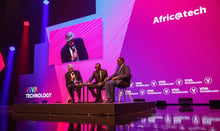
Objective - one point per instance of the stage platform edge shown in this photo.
(109, 109)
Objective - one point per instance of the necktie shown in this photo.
(120, 69)
(100, 76)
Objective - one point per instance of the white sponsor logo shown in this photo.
(164, 83)
(140, 84)
(32, 92)
(208, 80)
(179, 15)
(166, 91)
(195, 120)
(177, 91)
(131, 84)
(193, 90)
(179, 82)
(206, 90)
(151, 91)
(39, 95)
(153, 83)
(190, 81)
(142, 92)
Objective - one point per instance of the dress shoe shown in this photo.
(71, 101)
(98, 101)
(109, 101)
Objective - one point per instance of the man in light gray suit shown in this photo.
(121, 78)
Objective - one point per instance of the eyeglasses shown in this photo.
(70, 41)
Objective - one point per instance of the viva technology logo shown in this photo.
(179, 15)
(32, 92)
(32, 89)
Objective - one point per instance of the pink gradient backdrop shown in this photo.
(90, 32)
(187, 48)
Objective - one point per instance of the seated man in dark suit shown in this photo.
(121, 77)
(99, 75)
(74, 49)
(73, 77)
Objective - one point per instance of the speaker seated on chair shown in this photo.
(185, 101)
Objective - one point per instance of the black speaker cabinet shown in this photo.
(161, 104)
(139, 100)
(185, 101)
(214, 104)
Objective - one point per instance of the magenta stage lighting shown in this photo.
(26, 23)
(46, 2)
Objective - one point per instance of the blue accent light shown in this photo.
(12, 48)
(46, 2)
(7, 77)
(44, 22)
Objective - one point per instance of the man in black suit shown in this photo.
(74, 49)
(99, 75)
(121, 77)
(73, 77)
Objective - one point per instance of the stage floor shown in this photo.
(172, 117)
(92, 119)
(104, 109)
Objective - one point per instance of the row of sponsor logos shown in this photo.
(167, 91)
(178, 122)
(178, 82)
(180, 119)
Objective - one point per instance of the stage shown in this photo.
(103, 109)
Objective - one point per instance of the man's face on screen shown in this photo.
(70, 43)
(70, 69)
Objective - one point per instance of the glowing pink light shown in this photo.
(26, 23)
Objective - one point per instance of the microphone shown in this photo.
(73, 49)
(72, 75)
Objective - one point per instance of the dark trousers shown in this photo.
(110, 88)
(71, 91)
(98, 95)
